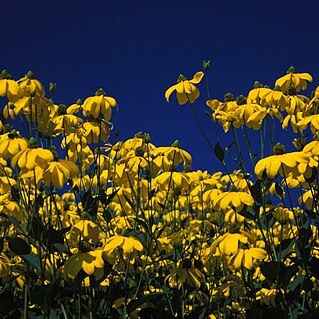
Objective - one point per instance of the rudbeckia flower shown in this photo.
(171, 179)
(297, 80)
(246, 258)
(84, 230)
(273, 98)
(12, 143)
(32, 156)
(275, 164)
(174, 154)
(228, 244)
(90, 262)
(8, 87)
(59, 172)
(127, 244)
(186, 273)
(98, 105)
(29, 85)
(186, 90)
(235, 200)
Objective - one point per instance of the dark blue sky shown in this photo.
(135, 50)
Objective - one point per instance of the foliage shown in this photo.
(94, 230)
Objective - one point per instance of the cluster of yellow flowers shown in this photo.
(125, 229)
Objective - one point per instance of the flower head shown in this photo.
(186, 90)
(297, 80)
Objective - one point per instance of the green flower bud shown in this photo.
(99, 92)
(291, 70)
(52, 87)
(181, 78)
(30, 75)
(5, 75)
(79, 102)
(279, 149)
(62, 109)
(257, 85)
(32, 143)
(13, 134)
(241, 100)
(139, 135)
(176, 144)
(7, 128)
(206, 65)
(229, 97)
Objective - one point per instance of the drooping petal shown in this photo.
(197, 77)
(169, 91)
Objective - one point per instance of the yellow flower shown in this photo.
(186, 90)
(30, 157)
(297, 80)
(171, 180)
(98, 105)
(30, 86)
(127, 244)
(95, 131)
(314, 123)
(273, 98)
(246, 258)
(84, 230)
(174, 154)
(235, 200)
(12, 143)
(186, 273)
(59, 172)
(90, 262)
(8, 87)
(228, 244)
(279, 164)
(255, 120)
(268, 296)
(63, 122)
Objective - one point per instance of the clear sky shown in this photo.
(136, 49)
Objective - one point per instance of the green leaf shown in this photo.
(19, 246)
(37, 229)
(42, 295)
(142, 223)
(61, 248)
(107, 215)
(107, 199)
(255, 191)
(284, 247)
(273, 270)
(219, 152)
(32, 260)
(13, 221)
(267, 220)
(54, 236)
(248, 213)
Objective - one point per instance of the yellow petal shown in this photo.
(197, 77)
(169, 91)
